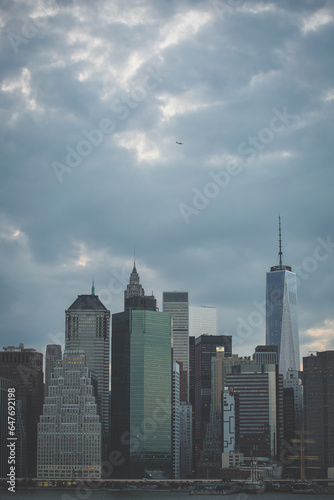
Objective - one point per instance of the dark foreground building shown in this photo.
(318, 382)
(24, 367)
(205, 350)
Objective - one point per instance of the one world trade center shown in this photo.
(282, 313)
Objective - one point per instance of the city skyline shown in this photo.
(96, 98)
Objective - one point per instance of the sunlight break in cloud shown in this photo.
(314, 22)
(21, 84)
(183, 25)
(263, 77)
(9, 233)
(185, 103)
(82, 259)
(321, 337)
(329, 96)
(257, 8)
(138, 141)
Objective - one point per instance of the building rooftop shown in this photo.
(87, 302)
(21, 348)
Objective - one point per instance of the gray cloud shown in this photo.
(209, 74)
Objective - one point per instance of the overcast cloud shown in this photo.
(94, 96)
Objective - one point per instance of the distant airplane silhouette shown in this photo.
(179, 142)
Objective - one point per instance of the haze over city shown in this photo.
(96, 97)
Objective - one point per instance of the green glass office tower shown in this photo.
(141, 393)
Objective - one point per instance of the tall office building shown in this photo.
(289, 415)
(87, 328)
(142, 392)
(217, 379)
(292, 380)
(205, 350)
(213, 444)
(24, 367)
(192, 390)
(318, 382)
(176, 304)
(186, 440)
(260, 405)
(282, 313)
(203, 320)
(69, 431)
(53, 354)
(176, 420)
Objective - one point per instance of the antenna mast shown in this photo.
(280, 253)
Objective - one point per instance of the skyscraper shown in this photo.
(176, 420)
(292, 380)
(282, 313)
(52, 356)
(318, 382)
(186, 440)
(142, 391)
(212, 443)
(205, 350)
(87, 328)
(176, 304)
(203, 320)
(260, 399)
(69, 431)
(25, 368)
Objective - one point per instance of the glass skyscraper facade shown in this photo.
(177, 304)
(203, 320)
(282, 317)
(150, 376)
(142, 392)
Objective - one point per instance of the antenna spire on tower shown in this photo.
(134, 258)
(280, 266)
(280, 253)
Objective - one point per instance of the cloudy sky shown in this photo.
(94, 96)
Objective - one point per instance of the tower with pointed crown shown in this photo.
(282, 313)
(134, 295)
